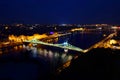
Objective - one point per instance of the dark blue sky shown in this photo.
(60, 11)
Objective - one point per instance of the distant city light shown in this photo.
(63, 25)
(6, 27)
(51, 32)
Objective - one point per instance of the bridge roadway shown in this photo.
(71, 47)
(101, 43)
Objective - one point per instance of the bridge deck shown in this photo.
(69, 46)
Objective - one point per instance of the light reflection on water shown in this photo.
(57, 60)
(53, 58)
(49, 54)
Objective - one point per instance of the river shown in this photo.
(43, 60)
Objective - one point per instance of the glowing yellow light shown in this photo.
(22, 38)
(113, 41)
(77, 29)
(67, 64)
(104, 35)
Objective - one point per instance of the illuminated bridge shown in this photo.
(64, 45)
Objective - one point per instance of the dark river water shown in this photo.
(27, 62)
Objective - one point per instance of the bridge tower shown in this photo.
(65, 43)
(34, 40)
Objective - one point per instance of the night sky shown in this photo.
(60, 11)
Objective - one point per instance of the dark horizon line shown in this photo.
(61, 23)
